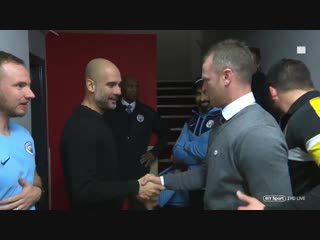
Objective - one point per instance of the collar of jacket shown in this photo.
(296, 105)
(212, 112)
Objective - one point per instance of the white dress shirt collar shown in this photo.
(125, 103)
(236, 106)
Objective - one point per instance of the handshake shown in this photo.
(149, 190)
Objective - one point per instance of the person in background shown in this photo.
(88, 150)
(20, 185)
(192, 145)
(259, 85)
(133, 123)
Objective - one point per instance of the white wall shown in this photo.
(277, 44)
(16, 42)
(211, 37)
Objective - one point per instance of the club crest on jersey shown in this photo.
(209, 123)
(28, 147)
(140, 118)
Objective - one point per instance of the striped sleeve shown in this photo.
(313, 148)
(313, 141)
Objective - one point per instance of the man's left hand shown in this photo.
(147, 159)
(22, 201)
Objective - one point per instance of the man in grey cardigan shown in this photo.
(247, 151)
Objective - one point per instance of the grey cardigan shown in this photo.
(247, 153)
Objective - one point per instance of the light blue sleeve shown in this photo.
(179, 153)
(199, 146)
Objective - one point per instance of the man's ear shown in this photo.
(91, 85)
(273, 92)
(227, 76)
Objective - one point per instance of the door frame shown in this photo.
(39, 125)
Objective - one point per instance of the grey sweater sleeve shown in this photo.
(190, 180)
(263, 162)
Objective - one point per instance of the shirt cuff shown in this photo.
(162, 181)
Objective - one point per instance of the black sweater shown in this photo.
(89, 163)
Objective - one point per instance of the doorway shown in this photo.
(39, 125)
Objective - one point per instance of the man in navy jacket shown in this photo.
(133, 123)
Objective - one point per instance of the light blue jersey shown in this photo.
(17, 159)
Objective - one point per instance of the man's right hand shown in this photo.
(148, 188)
(252, 203)
(150, 178)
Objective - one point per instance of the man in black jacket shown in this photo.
(88, 150)
(133, 123)
(259, 85)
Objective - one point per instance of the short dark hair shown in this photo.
(234, 54)
(8, 57)
(256, 51)
(126, 78)
(289, 74)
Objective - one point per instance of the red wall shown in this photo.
(67, 56)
